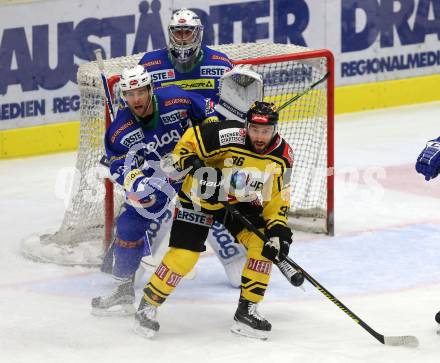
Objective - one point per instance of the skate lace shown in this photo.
(110, 298)
(121, 290)
(252, 310)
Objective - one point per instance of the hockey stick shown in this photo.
(293, 276)
(298, 95)
(108, 99)
(406, 340)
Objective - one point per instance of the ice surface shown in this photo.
(383, 263)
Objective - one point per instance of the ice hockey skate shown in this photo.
(118, 303)
(437, 319)
(249, 323)
(145, 322)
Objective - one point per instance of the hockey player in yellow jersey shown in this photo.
(246, 165)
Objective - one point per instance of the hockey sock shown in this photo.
(176, 263)
(127, 256)
(256, 273)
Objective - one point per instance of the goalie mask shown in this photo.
(239, 89)
(185, 33)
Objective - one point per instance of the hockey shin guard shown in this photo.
(257, 270)
(176, 263)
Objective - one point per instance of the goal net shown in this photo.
(307, 124)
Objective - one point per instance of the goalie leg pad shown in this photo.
(158, 228)
(231, 255)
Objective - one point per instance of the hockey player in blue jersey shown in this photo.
(428, 164)
(195, 67)
(139, 139)
(186, 62)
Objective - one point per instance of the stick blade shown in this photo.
(406, 340)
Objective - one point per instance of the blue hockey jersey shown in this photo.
(132, 145)
(203, 78)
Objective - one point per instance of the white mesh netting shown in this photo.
(79, 240)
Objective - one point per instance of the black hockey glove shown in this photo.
(194, 163)
(210, 180)
(277, 248)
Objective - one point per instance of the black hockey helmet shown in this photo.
(262, 113)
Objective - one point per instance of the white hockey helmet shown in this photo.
(239, 89)
(133, 78)
(185, 49)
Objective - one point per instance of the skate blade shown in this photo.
(117, 310)
(143, 332)
(246, 331)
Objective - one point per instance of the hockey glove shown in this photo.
(428, 162)
(277, 247)
(151, 194)
(209, 180)
(193, 163)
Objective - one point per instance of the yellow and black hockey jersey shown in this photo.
(248, 176)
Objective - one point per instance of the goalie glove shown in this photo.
(238, 90)
(428, 162)
(277, 247)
